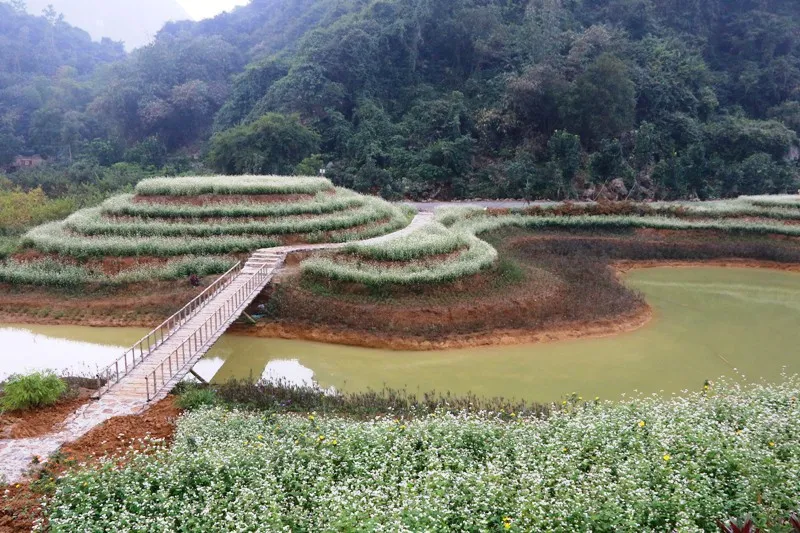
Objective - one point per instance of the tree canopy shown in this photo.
(434, 98)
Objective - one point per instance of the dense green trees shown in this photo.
(273, 144)
(433, 98)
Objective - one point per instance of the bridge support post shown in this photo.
(198, 377)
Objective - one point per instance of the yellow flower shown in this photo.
(642, 423)
(403, 426)
(321, 437)
(507, 522)
(565, 449)
(771, 444)
(513, 415)
(667, 457)
(335, 442)
(261, 437)
(311, 417)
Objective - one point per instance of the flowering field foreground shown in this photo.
(644, 465)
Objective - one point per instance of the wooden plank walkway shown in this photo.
(152, 367)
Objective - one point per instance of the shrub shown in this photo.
(38, 389)
(7, 246)
(194, 397)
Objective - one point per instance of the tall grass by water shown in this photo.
(479, 224)
(53, 273)
(53, 238)
(431, 239)
(478, 256)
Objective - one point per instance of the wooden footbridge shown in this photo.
(166, 355)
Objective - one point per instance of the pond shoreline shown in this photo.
(606, 327)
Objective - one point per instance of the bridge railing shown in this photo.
(206, 334)
(137, 353)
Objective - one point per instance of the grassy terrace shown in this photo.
(202, 225)
(252, 185)
(643, 465)
(451, 248)
(173, 227)
(414, 259)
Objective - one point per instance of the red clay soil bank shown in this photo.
(140, 305)
(20, 504)
(310, 332)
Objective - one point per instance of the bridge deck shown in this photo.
(194, 330)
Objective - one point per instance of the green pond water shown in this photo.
(709, 322)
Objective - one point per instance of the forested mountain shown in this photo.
(46, 69)
(133, 23)
(443, 98)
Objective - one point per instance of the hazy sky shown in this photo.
(202, 9)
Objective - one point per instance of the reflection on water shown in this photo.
(290, 372)
(208, 367)
(77, 351)
(708, 322)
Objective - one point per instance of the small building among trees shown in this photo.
(27, 161)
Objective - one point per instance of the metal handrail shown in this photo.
(206, 333)
(117, 370)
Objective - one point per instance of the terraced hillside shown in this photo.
(450, 248)
(173, 227)
(481, 275)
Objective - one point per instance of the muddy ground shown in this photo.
(20, 503)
